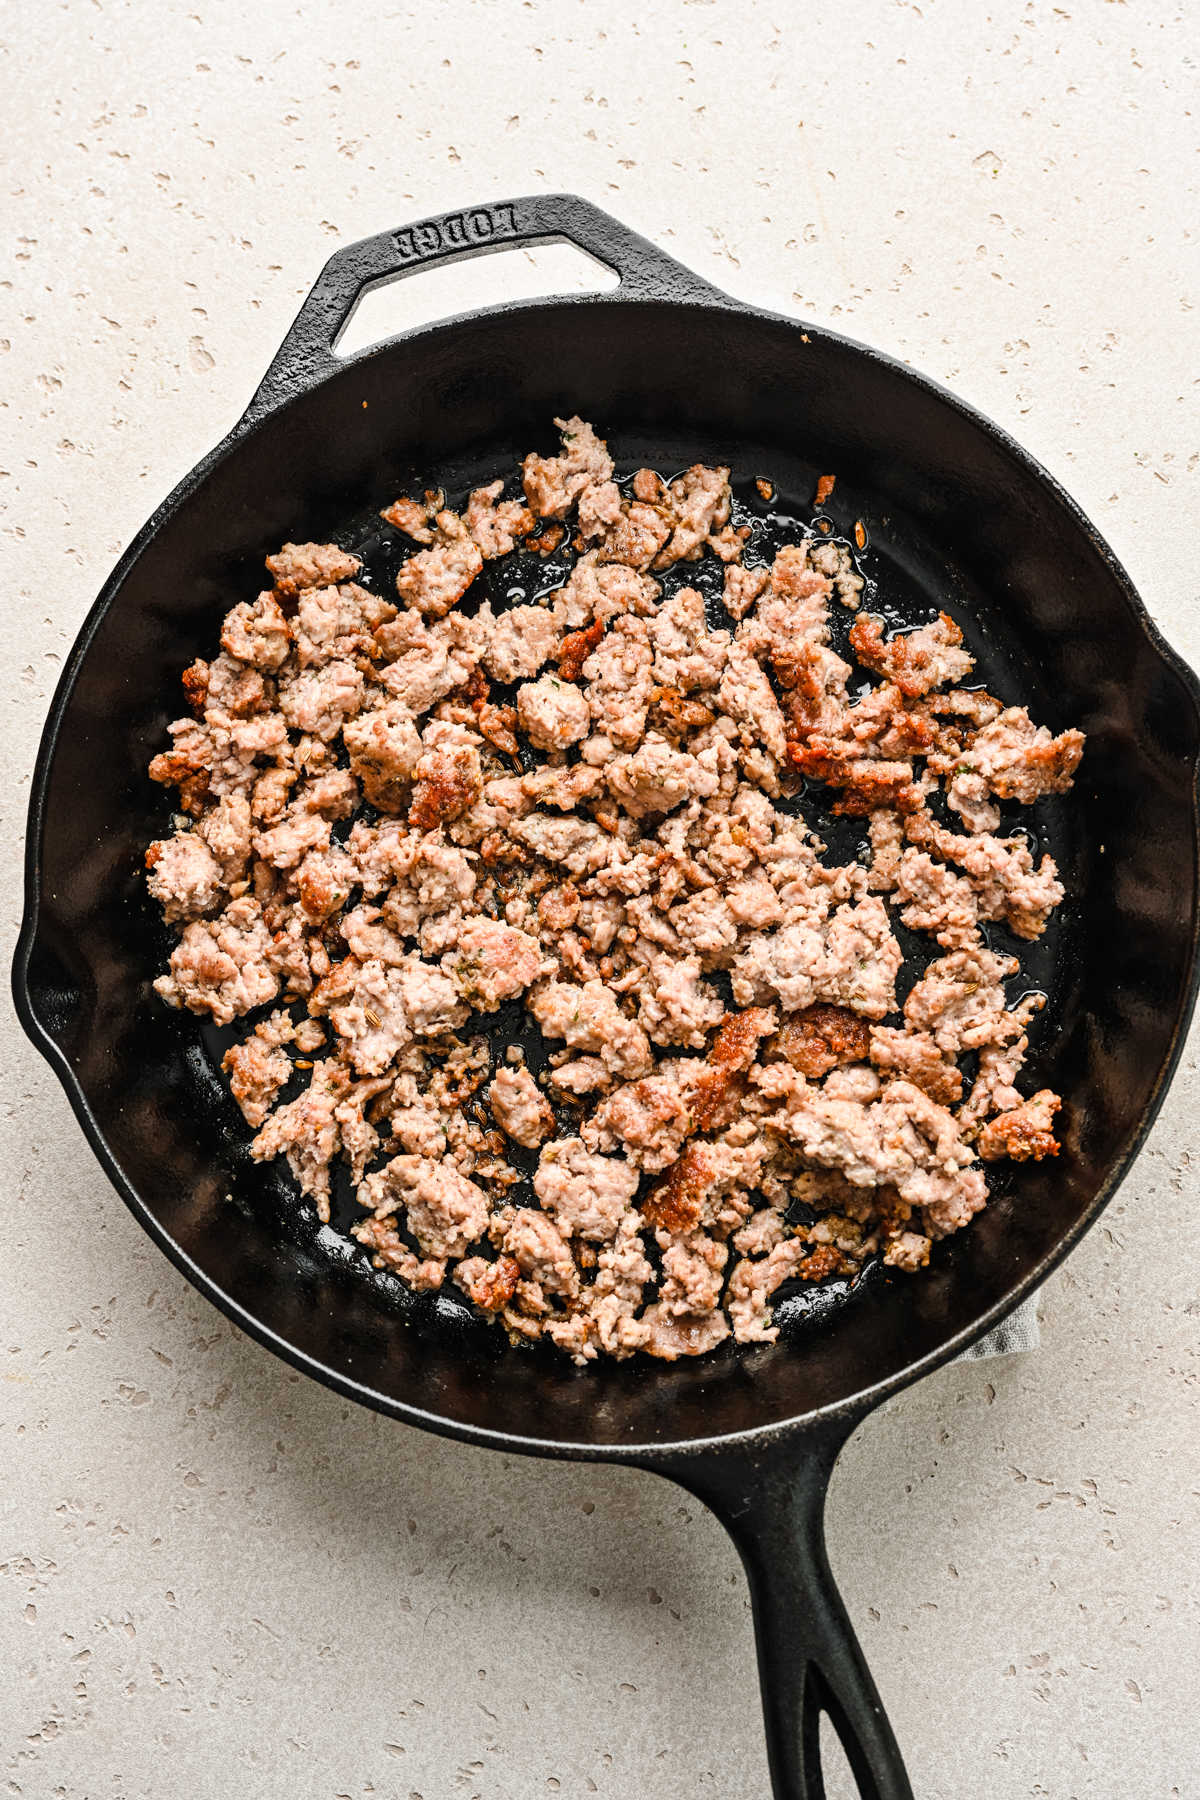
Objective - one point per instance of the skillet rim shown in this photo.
(843, 1414)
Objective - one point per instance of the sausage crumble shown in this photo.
(401, 813)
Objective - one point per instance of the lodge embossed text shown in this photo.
(460, 230)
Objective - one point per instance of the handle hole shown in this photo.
(837, 1776)
(503, 275)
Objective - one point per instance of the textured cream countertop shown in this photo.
(217, 1579)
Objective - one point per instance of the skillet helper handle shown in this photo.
(809, 1660)
(307, 354)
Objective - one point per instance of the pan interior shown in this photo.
(953, 520)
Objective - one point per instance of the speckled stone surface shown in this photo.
(216, 1578)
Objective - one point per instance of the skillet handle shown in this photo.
(772, 1504)
(307, 354)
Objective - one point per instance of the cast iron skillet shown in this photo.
(670, 370)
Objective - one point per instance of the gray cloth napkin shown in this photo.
(1020, 1331)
